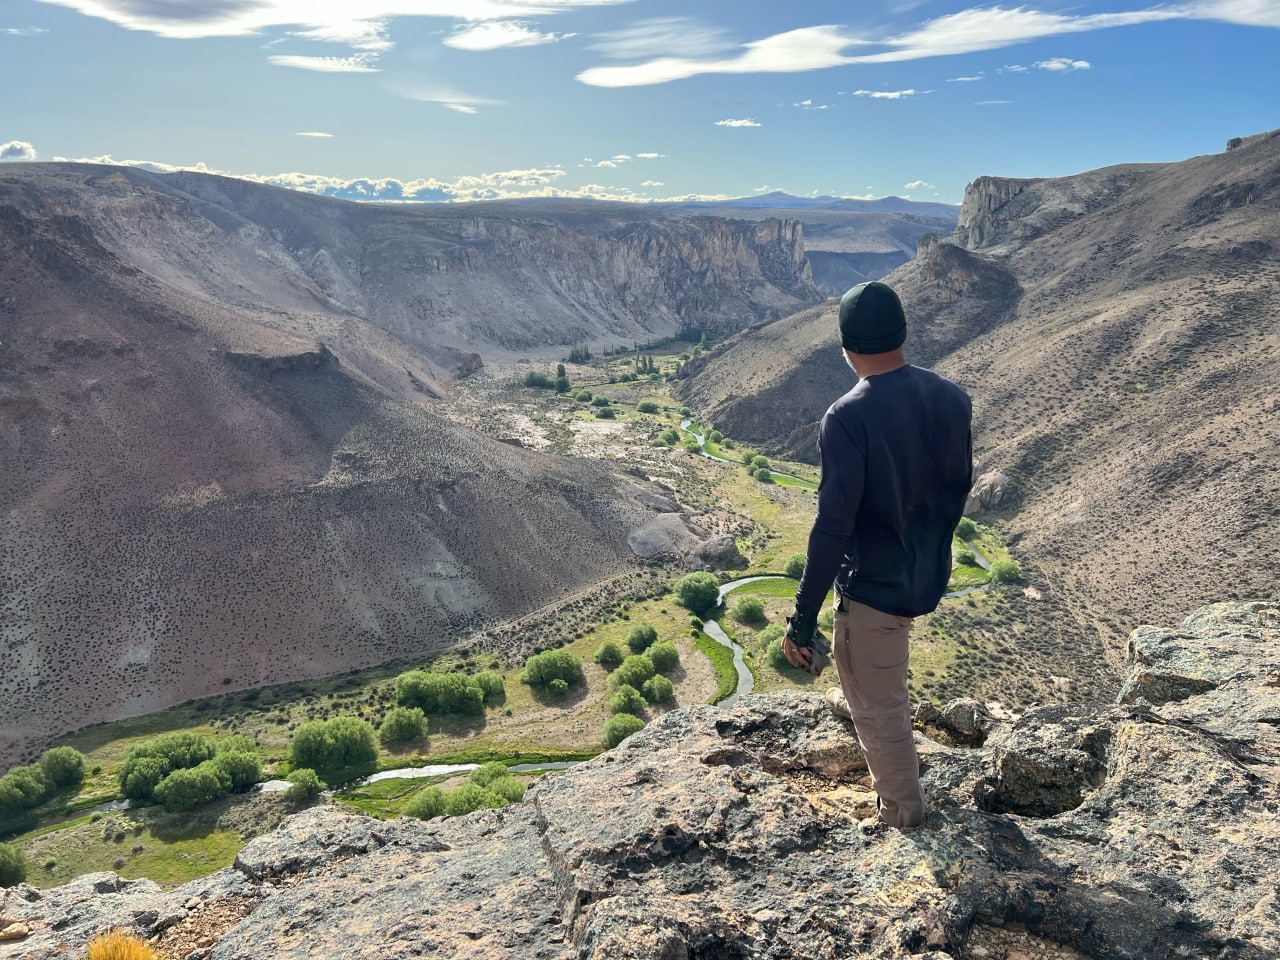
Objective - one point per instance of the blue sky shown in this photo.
(633, 99)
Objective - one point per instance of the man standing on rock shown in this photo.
(896, 457)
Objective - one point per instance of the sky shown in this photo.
(431, 100)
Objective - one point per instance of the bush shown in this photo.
(746, 456)
(64, 766)
(1005, 571)
(777, 659)
(715, 436)
(760, 463)
(641, 637)
(664, 656)
(402, 724)
(647, 406)
(491, 685)
(619, 727)
(600, 401)
(583, 396)
(772, 632)
(748, 610)
(561, 384)
(763, 475)
(425, 804)
(333, 746)
(794, 567)
(119, 945)
(627, 699)
(669, 436)
(243, 768)
(189, 787)
(604, 413)
(965, 558)
(609, 655)
(23, 788)
(539, 381)
(659, 690)
(471, 796)
(966, 529)
(304, 785)
(543, 668)
(13, 865)
(633, 672)
(146, 764)
(440, 692)
(557, 687)
(698, 592)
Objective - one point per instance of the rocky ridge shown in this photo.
(1144, 828)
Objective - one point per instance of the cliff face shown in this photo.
(1148, 828)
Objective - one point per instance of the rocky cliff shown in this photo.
(1146, 828)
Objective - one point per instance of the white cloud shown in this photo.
(606, 163)
(966, 31)
(445, 96)
(367, 35)
(315, 133)
(460, 108)
(917, 185)
(621, 157)
(17, 150)
(663, 36)
(649, 156)
(23, 31)
(1063, 65)
(889, 94)
(963, 79)
(1016, 68)
(495, 34)
(745, 122)
(652, 183)
(991, 103)
(360, 63)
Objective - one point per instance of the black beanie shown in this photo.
(871, 319)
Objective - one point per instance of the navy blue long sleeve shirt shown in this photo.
(897, 465)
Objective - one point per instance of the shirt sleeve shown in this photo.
(839, 496)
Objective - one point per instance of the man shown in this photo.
(897, 464)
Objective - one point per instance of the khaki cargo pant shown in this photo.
(871, 650)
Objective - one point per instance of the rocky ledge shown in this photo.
(1147, 828)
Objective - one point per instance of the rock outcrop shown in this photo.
(1148, 828)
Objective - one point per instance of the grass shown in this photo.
(963, 575)
(721, 658)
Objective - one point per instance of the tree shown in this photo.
(338, 746)
(669, 436)
(619, 727)
(543, 668)
(559, 370)
(664, 656)
(641, 637)
(763, 475)
(633, 672)
(353, 741)
(715, 436)
(795, 566)
(242, 768)
(425, 804)
(310, 746)
(64, 766)
(627, 699)
(748, 610)
(609, 655)
(1005, 571)
(138, 778)
(659, 690)
(538, 381)
(966, 529)
(491, 685)
(189, 787)
(440, 692)
(13, 865)
(402, 724)
(698, 592)
(471, 796)
(562, 384)
(583, 396)
(304, 785)
(760, 463)
(747, 456)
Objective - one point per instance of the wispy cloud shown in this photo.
(991, 103)
(366, 35)
(1014, 68)
(445, 96)
(810, 105)
(360, 63)
(652, 183)
(744, 122)
(917, 185)
(495, 34)
(649, 156)
(315, 133)
(663, 37)
(1063, 65)
(966, 31)
(963, 79)
(889, 94)
(608, 164)
(460, 108)
(22, 31)
(17, 150)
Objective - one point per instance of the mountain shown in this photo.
(1111, 831)
(1117, 332)
(225, 464)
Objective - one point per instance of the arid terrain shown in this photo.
(1117, 332)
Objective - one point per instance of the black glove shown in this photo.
(803, 634)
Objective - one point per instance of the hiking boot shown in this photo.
(838, 704)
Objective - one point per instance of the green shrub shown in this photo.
(600, 401)
(966, 529)
(633, 672)
(561, 384)
(609, 655)
(23, 788)
(440, 692)
(64, 766)
(189, 787)
(138, 778)
(604, 413)
(243, 768)
(492, 686)
(1005, 571)
(304, 785)
(965, 558)
(647, 406)
(557, 687)
(795, 566)
(148, 763)
(538, 380)
(664, 656)
(669, 436)
(619, 727)
(659, 690)
(763, 475)
(686, 412)
(746, 456)
(772, 632)
(748, 610)
(543, 668)
(626, 699)
(777, 659)
(13, 865)
(471, 796)
(341, 746)
(425, 804)
(641, 637)
(760, 463)
(698, 592)
(401, 725)
(715, 436)
(583, 396)
(237, 743)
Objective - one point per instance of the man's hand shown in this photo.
(797, 644)
(798, 657)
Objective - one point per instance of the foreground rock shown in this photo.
(1146, 829)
